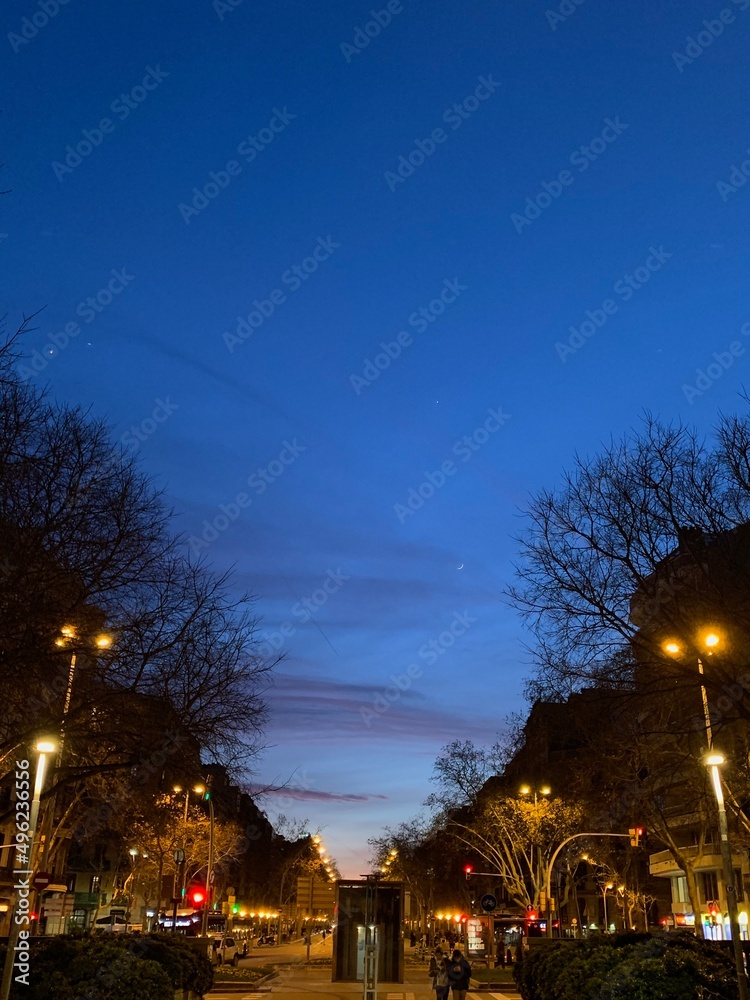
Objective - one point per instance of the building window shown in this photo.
(96, 883)
(680, 890)
(710, 886)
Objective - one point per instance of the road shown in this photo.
(297, 981)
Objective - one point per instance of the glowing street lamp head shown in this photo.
(672, 647)
(711, 639)
(103, 641)
(715, 759)
(545, 790)
(199, 789)
(46, 746)
(524, 790)
(68, 631)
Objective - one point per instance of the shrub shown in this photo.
(121, 967)
(629, 967)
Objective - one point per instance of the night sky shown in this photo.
(353, 285)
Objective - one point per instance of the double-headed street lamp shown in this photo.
(536, 866)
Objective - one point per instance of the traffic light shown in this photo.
(468, 869)
(638, 836)
(197, 896)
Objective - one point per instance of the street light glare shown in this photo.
(672, 647)
(46, 746)
(524, 790)
(715, 759)
(546, 790)
(103, 641)
(711, 639)
(68, 631)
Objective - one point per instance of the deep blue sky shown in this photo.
(322, 178)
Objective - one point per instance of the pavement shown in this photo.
(296, 980)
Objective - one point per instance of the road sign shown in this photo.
(41, 880)
(489, 902)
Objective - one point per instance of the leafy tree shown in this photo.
(517, 838)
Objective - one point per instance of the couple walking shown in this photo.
(449, 973)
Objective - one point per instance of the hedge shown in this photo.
(629, 967)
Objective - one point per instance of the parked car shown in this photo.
(112, 925)
(225, 951)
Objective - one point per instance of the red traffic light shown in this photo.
(197, 896)
(468, 869)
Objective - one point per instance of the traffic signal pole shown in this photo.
(551, 865)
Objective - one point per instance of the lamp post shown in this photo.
(605, 887)
(67, 637)
(545, 791)
(714, 760)
(19, 918)
(210, 870)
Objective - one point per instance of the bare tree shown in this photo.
(646, 541)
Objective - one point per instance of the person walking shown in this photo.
(439, 972)
(459, 974)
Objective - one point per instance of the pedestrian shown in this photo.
(459, 974)
(438, 972)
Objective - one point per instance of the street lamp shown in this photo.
(605, 887)
(545, 791)
(19, 918)
(68, 636)
(714, 761)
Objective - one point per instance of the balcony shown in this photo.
(665, 866)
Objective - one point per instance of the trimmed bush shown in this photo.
(120, 967)
(631, 967)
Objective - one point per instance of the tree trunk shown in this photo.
(695, 900)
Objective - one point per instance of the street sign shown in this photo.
(489, 902)
(41, 880)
